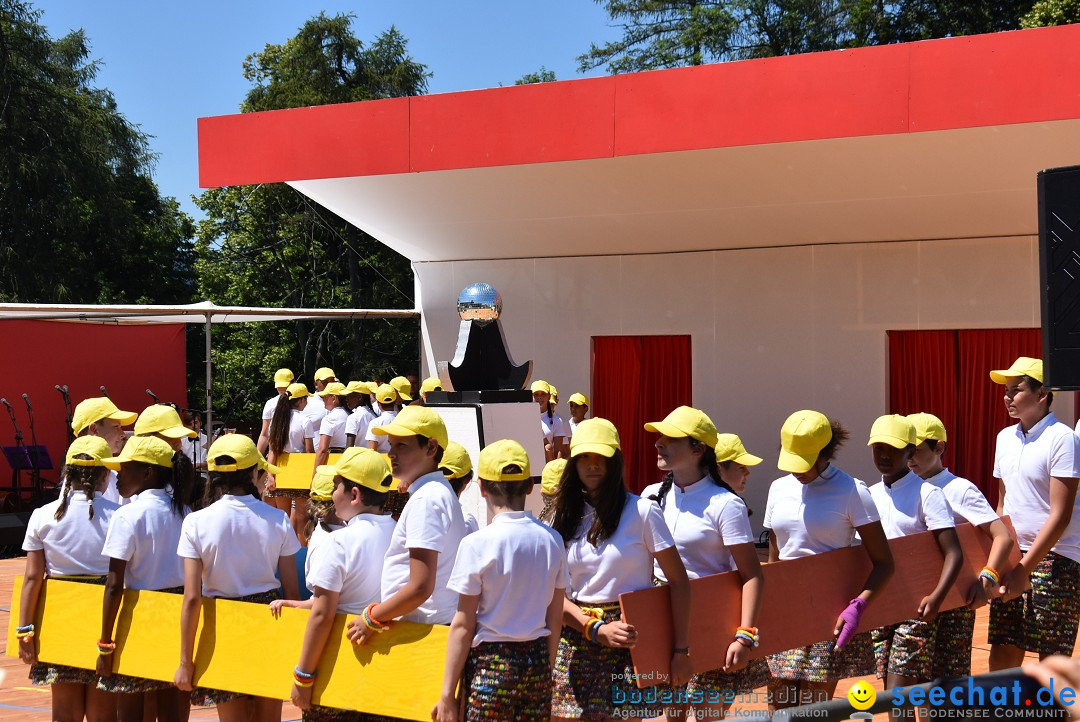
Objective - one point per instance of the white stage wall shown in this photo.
(773, 330)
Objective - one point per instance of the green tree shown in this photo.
(543, 75)
(81, 220)
(1052, 12)
(269, 245)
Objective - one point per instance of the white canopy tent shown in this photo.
(205, 312)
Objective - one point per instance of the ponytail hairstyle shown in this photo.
(179, 480)
(839, 436)
(220, 482)
(319, 513)
(706, 466)
(569, 505)
(280, 423)
(79, 478)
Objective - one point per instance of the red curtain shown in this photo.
(922, 378)
(982, 408)
(636, 379)
(947, 373)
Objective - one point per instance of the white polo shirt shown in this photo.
(318, 536)
(1025, 462)
(350, 562)
(817, 517)
(112, 493)
(492, 564)
(965, 499)
(553, 428)
(383, 441)
(357, 425)
(300, 428)
(431, 520)
(315, 410)
(333, 425)
(269, 406)
(910, 506)
(471, 523)
(145, 534)
(72, 545)
(624, 561)
(239, 540)
(704, 519)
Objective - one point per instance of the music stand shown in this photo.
(25, 457)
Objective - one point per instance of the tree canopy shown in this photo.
(269, 245)
(81, 219)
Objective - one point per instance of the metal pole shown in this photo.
(209, 382)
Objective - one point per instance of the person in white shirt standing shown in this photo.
(64, 538)
(904, 652)
(431, 383)
(426, 538)
(316, 409)
(579, 407)
(711, 528)
(612, 540)
(361, 414)
(141, 546)
(282, 379)
(511, 583)
(552, 426)
(386, 397)
(1038, 463)
(235, 548)
(345, 574)
(100, 417)
(456, 466)
(956, 627)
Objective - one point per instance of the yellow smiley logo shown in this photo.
(862, 695)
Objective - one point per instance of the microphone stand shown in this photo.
(67, 405)
(35, 471)
(18, 443)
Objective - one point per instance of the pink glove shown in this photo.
(850, 617)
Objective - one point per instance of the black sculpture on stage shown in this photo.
(482, 362)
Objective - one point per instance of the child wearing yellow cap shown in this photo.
(64, 539)
(818, 508)
(141, 546)
(956, 627)
(345, 569)
(550, 479)
(505, 635)
(711, 528)
(612, 539)
(579, 406)
(456, 466)
(552, 426)
(282, 379)
(235, 547)
(904, 652)
(1037, 462)
(291, 432)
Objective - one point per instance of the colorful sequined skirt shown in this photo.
(508, 681)
(822, 662)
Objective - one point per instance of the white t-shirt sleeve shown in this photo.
(559, 428)
(429, 528)
(655, 530)
(309, 429)
(734, 523)
(119, 539)
(326, 426)
(466, 577)
(974, 507)
(189, 540)
(290, 544)
(352, 425)
(936, 509)
(766, 522)
(861, 508)
(268, 409)
(32, 542)
(1065, 457)
(997, 453)
(327, 566)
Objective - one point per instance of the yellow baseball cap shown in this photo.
(282, 378)
(162, 419)
(892, 429)
(386, 394)
(334, 388)
(93, 410)
(243, 452)
(416, 421)
(322, 483)
(541, 386)
(93, 446)
(403, 387)
(802, 437)
(729, 447)
(595, 436)
(298, 391)
(927, 426)
(365, 467)
(579, 399)
(456, 460)
(1023, 366)
(431, 383)
(358, 387)
(325, 374)
(497, 457)
(147, 449)
(686, 421)
(551, 476)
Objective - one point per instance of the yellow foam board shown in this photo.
(241, 647)
(297, 469)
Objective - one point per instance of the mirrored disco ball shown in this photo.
(479, 302)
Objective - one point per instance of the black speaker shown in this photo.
(1059, 275)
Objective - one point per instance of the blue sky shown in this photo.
(169, 63)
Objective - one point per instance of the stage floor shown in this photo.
(22, 702)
